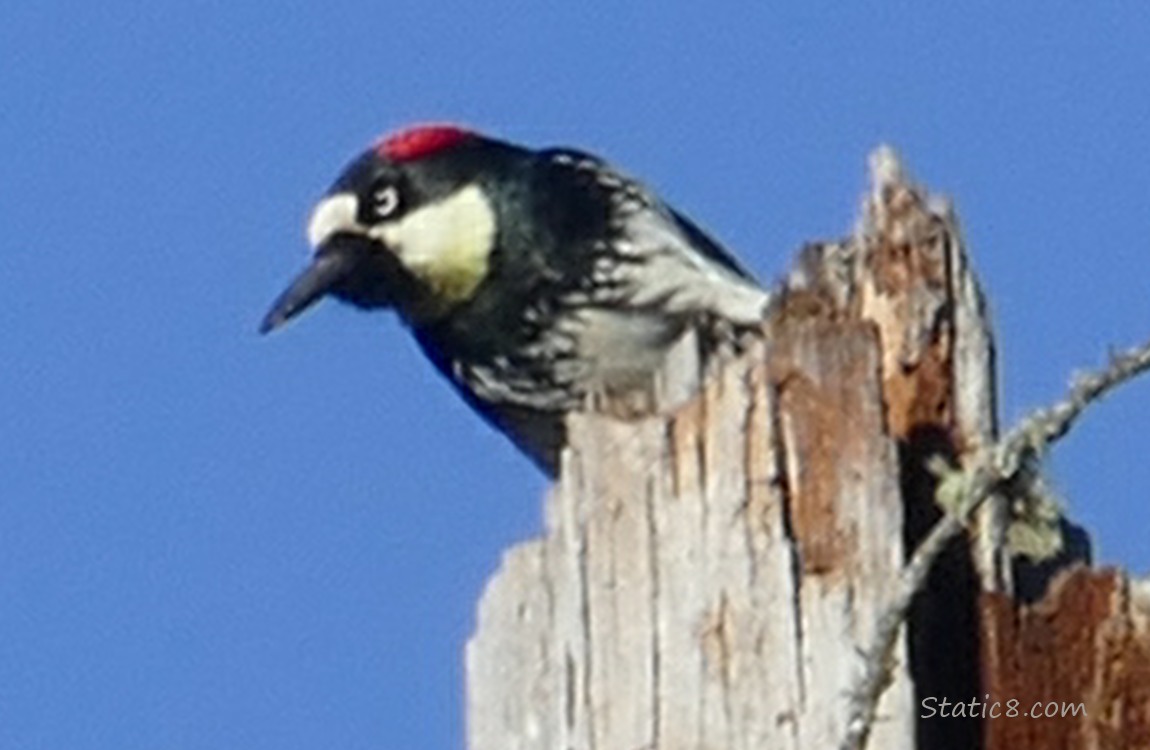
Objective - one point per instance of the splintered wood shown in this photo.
(707, 579)
(703, 583)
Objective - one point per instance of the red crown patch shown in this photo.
(420, 141)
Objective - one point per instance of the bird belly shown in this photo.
(595, 359)
(622, 350)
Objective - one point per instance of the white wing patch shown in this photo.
(652, 266)
(671, 276)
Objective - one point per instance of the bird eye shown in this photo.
(386, 201)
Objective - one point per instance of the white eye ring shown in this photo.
(386, 201)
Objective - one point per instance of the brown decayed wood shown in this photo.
(908, 291)
(821, 366)
(1087, 642)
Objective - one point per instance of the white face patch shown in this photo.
(446, 244)
(333, 214)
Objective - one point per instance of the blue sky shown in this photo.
(210, 539)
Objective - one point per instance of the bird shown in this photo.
(539, 282)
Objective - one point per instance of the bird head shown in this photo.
(408, 224)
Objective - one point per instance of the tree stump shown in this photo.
(709, 578)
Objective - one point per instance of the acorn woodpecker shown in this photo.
(538, 282)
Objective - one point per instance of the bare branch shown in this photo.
(997, 467)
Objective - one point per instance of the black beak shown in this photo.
(330, 266)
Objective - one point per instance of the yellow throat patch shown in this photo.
(447, 245)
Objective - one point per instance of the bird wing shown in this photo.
(706, 245)
(655, 258)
